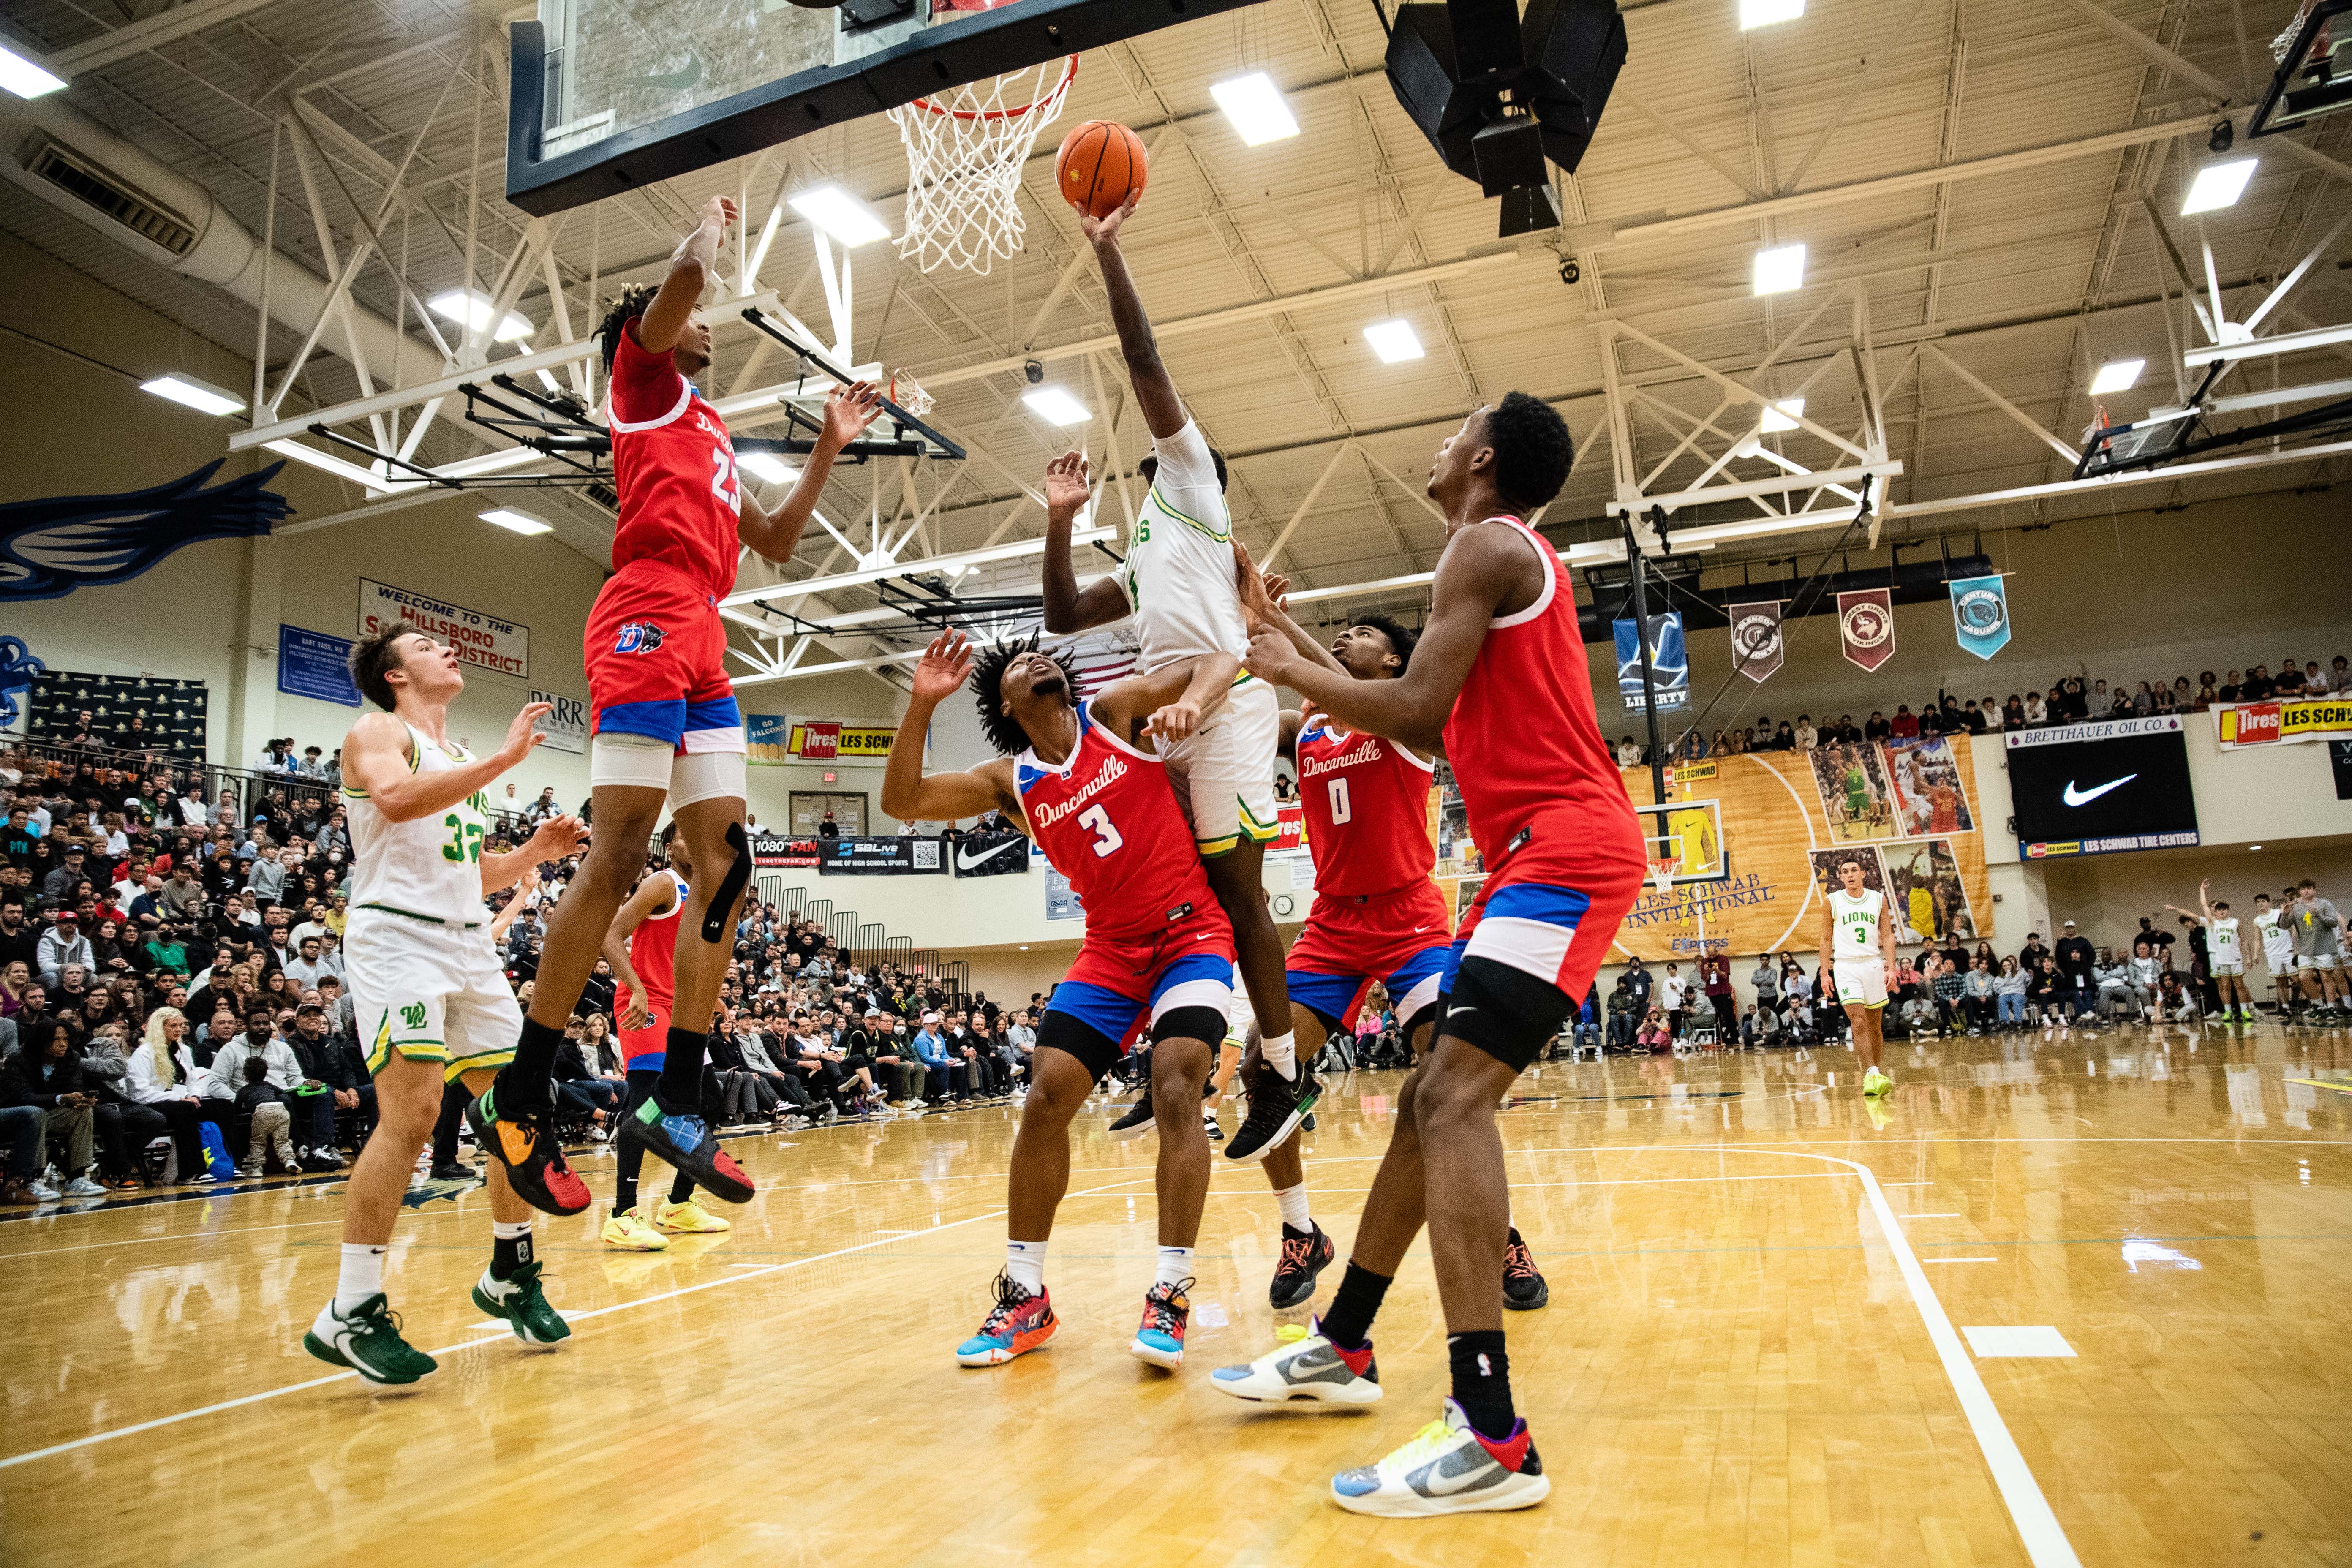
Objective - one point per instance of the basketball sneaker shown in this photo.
(525, 1144)
(523, 1305)
(1136, 1120)
(1524, 1288)
(626, 1231)
(1312, 1368)
(1277, 1106)
(1303, 1258)
(685, 1140)
(688, 1216)
(1446, 1469)
(1159, 1338)
(1875, 1083)
(1018, 1324)
(368, 1342)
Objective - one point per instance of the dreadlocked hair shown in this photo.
(1401, 640)
(1005, 736)
(630, 302)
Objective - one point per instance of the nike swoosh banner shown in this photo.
(1980, 614)
(1866, 626)
(991, 855)
(1756, 639)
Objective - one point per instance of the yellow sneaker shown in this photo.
(1875, 1083)
(690, 1217)
(627, 1231)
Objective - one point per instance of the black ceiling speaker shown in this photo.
(1497, 93)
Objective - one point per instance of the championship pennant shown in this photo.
(1866, 626)
(1980, 614)
(1756, 639)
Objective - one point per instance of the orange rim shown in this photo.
(1069, 75)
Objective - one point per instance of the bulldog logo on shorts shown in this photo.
(638, 636)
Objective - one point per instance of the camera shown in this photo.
(1035, 370)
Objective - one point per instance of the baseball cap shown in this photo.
(874, 1012)
(2070, 925)
(930, 1017)
(310, 1008)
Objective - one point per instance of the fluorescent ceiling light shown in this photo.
(2218, 186)
(1778, 271)
(471, 310)
(1255, 107)
(328, 463)
(25, 78)
(2117, 375)
(547, 379)
(1393, 341)
(768, 466)
(515, 521)
(201, 396)
(840, 214)
(1783, 416)
(1056, 403)
(1764, 13)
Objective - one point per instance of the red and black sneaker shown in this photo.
(686, 1142)
(1303, 1258)
(1524, 1289)
(525, 1144)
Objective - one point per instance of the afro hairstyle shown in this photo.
(1005, 736)
(1532, 450)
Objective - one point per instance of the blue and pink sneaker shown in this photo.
(1018, 1323)
(1159, 1338)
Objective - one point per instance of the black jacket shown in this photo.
(22, 1082)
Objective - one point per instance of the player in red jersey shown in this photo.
(1158, 945)
(663, 714)
(1498, 682)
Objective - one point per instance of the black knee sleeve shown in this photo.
(1190, 1024)
(730, 887)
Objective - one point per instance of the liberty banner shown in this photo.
(1980, 614)
(1756, 646)
(1669, 663)
(1866, 626)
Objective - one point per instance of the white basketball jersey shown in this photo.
(2224, 939)
(429, 868)
(1179, 571)
(2276, 940)
(1853, 922)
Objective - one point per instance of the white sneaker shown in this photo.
(1311, 1369)
(83, 1187)
(42, 1192)
(1445, 1468)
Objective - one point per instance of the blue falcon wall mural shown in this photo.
(50, 548)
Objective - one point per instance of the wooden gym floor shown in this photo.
(1778, 1332)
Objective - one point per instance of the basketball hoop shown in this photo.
(965, 150)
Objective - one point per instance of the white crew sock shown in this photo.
(1292, 1201)
(504, 1231)
(1281, 1052)
(362, 1276)
(1175, 1265)
(1025, 1261)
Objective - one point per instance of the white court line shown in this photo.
(1650, 1181)
(752, 1272)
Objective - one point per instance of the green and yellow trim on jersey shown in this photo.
(420, 1050)
(1251, 829)
(1215, 536)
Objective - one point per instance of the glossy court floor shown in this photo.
(1782, 1330)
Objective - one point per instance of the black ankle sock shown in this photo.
(682, 1075)
(1482, 1381)
(1348, 1323)
(625, 1194)
(525, 1083)
(681, 1189)
(508, 1253)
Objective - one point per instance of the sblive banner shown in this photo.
(771, 851)
(1669, 663)
(1756, 646)
(1866, 626)
(990, 855)
(484, 642)
(1980, 614)
(880, 857)
(2294, 719)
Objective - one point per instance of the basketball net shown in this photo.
(965, 150)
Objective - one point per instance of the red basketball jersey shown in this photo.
(1107, 821)
(1523, 739)
(653, 947)
(1367, 803)
(674, 467)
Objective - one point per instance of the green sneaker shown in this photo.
(522, 1304)
(1875, 1083)
(368, 1342)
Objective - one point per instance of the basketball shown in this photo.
(1101, 163)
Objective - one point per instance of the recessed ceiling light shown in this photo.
(515, 521)
(768, 466)
(1783, 416)
(1255, 107)
(1778, 271)
(1764, 13)
(840, 214)
(25, 78)
(2218, 186)
(201, 396)
(1393, 341)
(2117, 375)
(470, 309)
(1055, 404)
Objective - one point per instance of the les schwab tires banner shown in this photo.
(2294, 719)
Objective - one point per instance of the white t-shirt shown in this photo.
(1179, 571)
(1853, 922)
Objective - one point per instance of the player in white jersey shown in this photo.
(1178, 581)
(1858, 954)
(429, 997)
(2225, 953)
(2278, 949)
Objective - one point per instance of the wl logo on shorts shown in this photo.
(638, 636)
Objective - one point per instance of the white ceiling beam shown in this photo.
(137, 37)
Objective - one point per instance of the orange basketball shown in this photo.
(1101, 163)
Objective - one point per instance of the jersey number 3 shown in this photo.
(1097, 821)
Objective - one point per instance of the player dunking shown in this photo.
(1498, 680)
(1157, 945)
(663, 713)
(429, 996)
(1857, 955)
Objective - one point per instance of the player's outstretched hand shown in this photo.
(848, 411)
(1271, 657)
(1068, 480)
(1262, 593)
(522, 735)
(945, 666)
(1105, 230)
(721, 211)
(557, 837)
(1177, 722)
